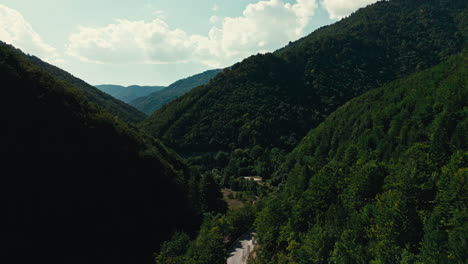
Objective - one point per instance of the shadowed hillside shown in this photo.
(107, 102)
(78, 184)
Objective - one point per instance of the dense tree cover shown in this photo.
(78, 184)
(251, 114)
(216, 235)
(101, 99)
(129, 93)
(382, 180)
(152, 102)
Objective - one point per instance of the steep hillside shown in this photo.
(149, 104)
(127, 94)
(78, 184)
(252, 113)
(107, 102)
(382, 180)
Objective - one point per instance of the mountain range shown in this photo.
(152, 102)
(358, 132)
(129, 93)
(150, 98)
(270, 101)
(379, 175)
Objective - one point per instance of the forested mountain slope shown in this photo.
(107, 102)
(154, 101)
(129, 93)
(78, 184)
(252, 113)
(382, 180)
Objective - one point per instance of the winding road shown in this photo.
(240, 251)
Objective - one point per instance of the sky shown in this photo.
(156, 42)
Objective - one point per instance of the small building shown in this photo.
(256, 179)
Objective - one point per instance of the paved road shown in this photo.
(239, 252)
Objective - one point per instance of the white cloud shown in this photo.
(263, 26)
(214, 19)
(15, 30)
(159, 14)
(215, 8)
(131, 42)
(340, 8)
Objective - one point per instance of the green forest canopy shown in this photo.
(256, 111)
(382, 180)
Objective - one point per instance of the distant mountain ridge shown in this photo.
(152, 102)
(128, 93)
